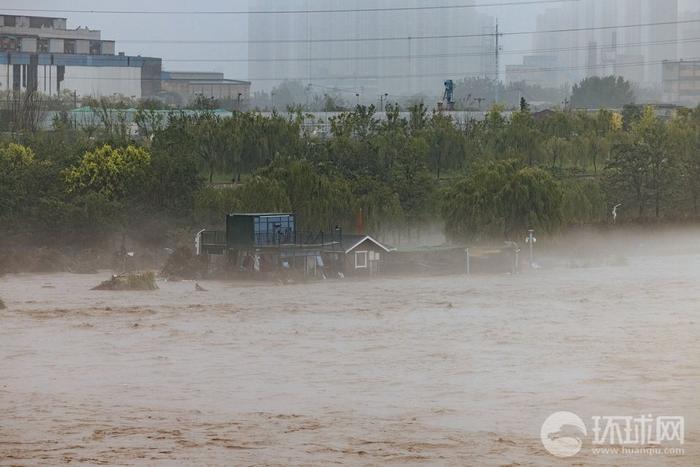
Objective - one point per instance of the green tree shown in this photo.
(21, 177)
(116, 173)
(607, 92)
(502, 199)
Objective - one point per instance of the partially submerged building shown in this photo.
(271, 242)
(363, 255)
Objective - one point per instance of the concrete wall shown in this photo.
(108, 48)
(4, 78)
(56, 46)
(82, 47)
(28, 44)
(85, 81)
(103, 81)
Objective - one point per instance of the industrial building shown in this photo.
(681, 82)
(181, 87)
(536, 70)
(42, 54)
(370, 53)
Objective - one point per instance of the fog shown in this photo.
(441, 344)
(133, 32)
(450, 370)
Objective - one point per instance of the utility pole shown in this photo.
(498, 62)
(410, 65)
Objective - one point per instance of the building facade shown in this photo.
(181, 87)
(399, 52)
(42, 54)
(681, 82)
(629, 38)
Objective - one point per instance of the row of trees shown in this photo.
(489, 179)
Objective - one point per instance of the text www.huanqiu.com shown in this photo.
(639, 451)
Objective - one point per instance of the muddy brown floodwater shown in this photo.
(432, 371)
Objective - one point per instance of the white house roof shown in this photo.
(363, 240)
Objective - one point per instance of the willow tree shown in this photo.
(502, 199)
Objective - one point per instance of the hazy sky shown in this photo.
(121, 27)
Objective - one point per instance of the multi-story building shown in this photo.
(536, 70)
(42, 54)
(359, 49)
(681, 82)
(629, 38)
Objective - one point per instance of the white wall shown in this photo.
(4, 85)
(86, 81)
(103, 81)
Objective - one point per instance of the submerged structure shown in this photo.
(259, 243)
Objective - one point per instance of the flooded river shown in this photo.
(431, 371)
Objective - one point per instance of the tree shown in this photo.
(502, 199)
(596, 92)
(115, 173)
(642, 171)
(21, 180)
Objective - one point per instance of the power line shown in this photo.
(282, 12)
(445, 55)
(418, 75)
(406, 38)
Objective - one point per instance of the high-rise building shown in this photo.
(610, 38)
(406, 51)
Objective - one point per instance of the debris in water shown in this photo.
(2, 304)
(199, 288)
(131, 281)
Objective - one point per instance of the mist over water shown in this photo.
(450, 370)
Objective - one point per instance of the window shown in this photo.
(42, 46)
(95, 47)
(360, 260)
(9, 43)
(69, 46)
(10, 21)
(36, 22)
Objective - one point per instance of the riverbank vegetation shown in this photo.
(482, 180)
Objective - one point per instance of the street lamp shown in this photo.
(358, 98)
(531, 240)
(239, 101)
(307, 91)
(382, 98)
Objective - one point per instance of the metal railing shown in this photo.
(217, 238)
